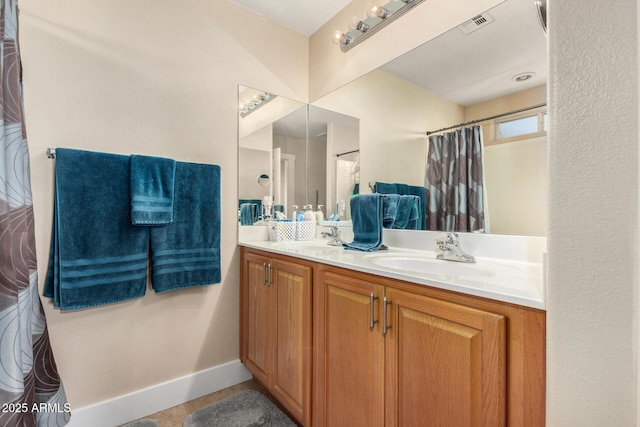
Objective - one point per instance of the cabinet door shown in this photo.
(291, 374)
(256, 318)
(445, 364)
(352, 364)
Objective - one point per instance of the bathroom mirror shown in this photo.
(272, 145)
(382, 119)
(464, 74)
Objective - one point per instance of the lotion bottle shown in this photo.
(309, 215)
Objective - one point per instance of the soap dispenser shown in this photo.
(309, 215)
(319, 214)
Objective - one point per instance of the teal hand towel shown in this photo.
(248, 213)
(367, 218)
(187, 252)
(407, 214)
(389, 210)
(97, 257)
(152, 182)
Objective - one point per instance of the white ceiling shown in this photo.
(302, 16)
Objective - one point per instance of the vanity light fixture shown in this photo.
(252, 104)
(377, 17)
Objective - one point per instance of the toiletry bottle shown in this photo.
(319, 214)
(294, 213)
(309, 215)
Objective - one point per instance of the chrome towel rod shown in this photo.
(51, 153)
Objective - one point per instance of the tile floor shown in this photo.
(173, 417)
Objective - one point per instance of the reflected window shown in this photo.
(522, 127)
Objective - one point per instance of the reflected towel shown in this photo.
(97, 256)
(404, 189)
(366, 216)
(152, 190)
(187, 252)
(389, 210)
(248, 213)
(407, 214)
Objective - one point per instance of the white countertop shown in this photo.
(503, 280)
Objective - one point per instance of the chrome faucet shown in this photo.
(334, 236)
(449, 249)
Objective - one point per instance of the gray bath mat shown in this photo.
(249, 408)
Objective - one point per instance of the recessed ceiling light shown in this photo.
(523, 76)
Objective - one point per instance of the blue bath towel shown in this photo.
(407, 214)
(366, 216)
(97, 256)
(152, 190)
(187, 252)
(389, 210)
(248, 213)
(404, 189)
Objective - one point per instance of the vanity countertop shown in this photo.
(509, 281)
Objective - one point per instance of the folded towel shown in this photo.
(187, 252)
(420, 192)
(97, 256)
(366, 216)
(152, 190)
(257, 202)
(404, 189)
(407, 213)
(248, 213)
(389, 210)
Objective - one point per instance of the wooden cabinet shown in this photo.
(357, 349)
(352, 375)
(393, 358)
(276, 329)
(445, 363)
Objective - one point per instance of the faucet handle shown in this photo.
(448, 238)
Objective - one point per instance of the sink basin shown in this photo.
(427, 265)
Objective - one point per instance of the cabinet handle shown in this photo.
(372, 321)
(385, 326)
(269, 282)
(264, 273)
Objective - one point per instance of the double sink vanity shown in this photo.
(395, 337)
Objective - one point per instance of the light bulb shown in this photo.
(353, 22)
(336, 37)
(373, 9)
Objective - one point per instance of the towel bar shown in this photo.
(51, 153)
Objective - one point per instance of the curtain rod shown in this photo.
(348, 152)
(487, 118)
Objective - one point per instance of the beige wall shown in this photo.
(518, 167)
(394, 116)
(157, 78)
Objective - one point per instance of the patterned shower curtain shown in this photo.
(454, 181)
(31, 393)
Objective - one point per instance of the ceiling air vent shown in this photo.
(476, 23)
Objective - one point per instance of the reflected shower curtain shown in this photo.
(31, 393)
(454, 181)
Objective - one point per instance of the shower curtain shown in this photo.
(31, 393)
(454, 181)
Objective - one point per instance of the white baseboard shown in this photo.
(139, 404)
